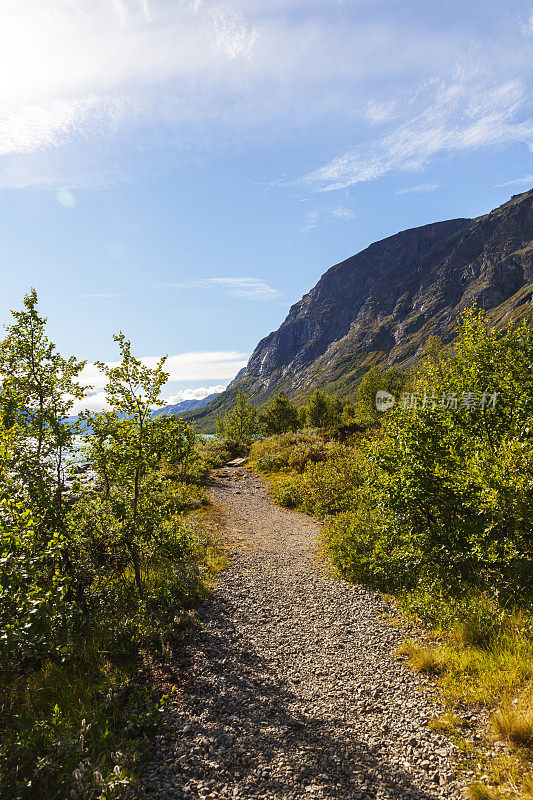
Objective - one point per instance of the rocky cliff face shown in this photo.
(382, 305)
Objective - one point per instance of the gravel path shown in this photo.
(293, 690)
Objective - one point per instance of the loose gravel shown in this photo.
(292, 686)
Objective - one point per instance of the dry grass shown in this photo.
(514, 722)
(447, 723)
(478, 791)
(527, 793)
(422, 659)
(489, 674)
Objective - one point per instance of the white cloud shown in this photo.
(315, 218)
(220, 365)
(377, 112)
(312, 218)
(95, 401)
(421, 187)
(249, 288)
(341, 212)
(86, 71)
(527, 28)
(193, 366)
(461, 116)
(527, 180)
(91, 84)
(198, 366)
(194, 394)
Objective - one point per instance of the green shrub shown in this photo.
(240, 426)
(324, 475)
(287, 493)
(290, 451)
(330, 487)
(214, 452)
(280, 416)
(64, 660)
(454, 486)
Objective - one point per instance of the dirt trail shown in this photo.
(293, 688)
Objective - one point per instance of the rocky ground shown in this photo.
(292, 686)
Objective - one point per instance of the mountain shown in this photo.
(185, 405)
(177, 408)
(381, 305)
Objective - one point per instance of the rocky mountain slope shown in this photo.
(382, 304)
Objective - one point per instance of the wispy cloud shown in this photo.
(421, 187)
(463, 116)
(527, 180)
(317, 217)
(150, 59)
(312, 219)
(248, 288)
(341, 212)
(172, 75)
(378, 112)
(527, 27)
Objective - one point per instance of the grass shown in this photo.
(514, 721)
(422, 659)
(480, 664)
(478, 791)
(447, 723)
(62, 715)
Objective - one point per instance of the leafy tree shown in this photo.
(173, 444)
(124, 448)
(323, 411)
(390, 380)
(241, 424)
(302, 417)
(348, 412)
(280, 416)
(72, 602)
(350, 420)
(38, 389)
(451, 497)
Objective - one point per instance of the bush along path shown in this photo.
(291, 686)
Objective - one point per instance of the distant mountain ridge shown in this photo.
(176, 408)
(381, 305)
(184, 405)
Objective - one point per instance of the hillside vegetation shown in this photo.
(432, 502)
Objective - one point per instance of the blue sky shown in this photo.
(185, 170)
